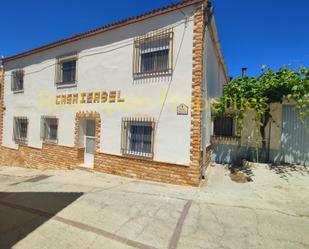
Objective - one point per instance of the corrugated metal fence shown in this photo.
(295, 137)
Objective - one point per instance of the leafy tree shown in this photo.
(257, 93)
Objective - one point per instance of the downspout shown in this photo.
(268, 149)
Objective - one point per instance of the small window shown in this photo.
(224, 126)
(18, 81)
(138, 136)
(153, 54)
(49, 129)
(66, 71)
(20, 130)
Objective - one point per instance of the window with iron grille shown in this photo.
(17, 80)
(153, 54)
(66, 70)
(20, 130)
(138, 136)
(224, 126)
(49, 129)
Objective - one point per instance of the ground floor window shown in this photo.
(138, 136)
(49, 129)
(224, 126)
(20, 130)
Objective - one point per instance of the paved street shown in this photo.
(78, 209)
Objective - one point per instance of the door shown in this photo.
(89, 142)
(295, 137)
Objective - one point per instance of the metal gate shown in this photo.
(295, 137)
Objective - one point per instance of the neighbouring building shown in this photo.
(287, 137)
(130, 98)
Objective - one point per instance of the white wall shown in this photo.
(214, 79)
(109, 69)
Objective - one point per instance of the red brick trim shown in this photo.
(145, 160)
(88, 114)
(197, 83)
(106, 28)
(49, 157)
(146, 170)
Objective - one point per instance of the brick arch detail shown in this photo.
(88, 114)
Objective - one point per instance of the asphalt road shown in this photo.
(77, 209)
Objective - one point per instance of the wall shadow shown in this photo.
(23, 212)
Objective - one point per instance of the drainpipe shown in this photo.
(268, 149)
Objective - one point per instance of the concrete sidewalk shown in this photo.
(77, 209)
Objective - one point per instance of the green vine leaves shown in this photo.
(257, 93)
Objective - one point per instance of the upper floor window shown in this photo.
(49, 129)
(153, 54)
(17, 81)
(20, 130)
(138, 136)
(66, 71)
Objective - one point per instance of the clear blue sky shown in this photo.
(252, 33)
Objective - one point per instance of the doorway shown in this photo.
(89, 142)
(87, 137)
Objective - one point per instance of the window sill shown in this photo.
(21, 143)
(18, 91)
(138, 155)
(225, 140)
(152, 74)
(50, 142)
(66, 85)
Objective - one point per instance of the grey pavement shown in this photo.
(78, 209)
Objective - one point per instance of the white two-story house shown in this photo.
(130, 98)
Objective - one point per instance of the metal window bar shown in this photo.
(17, 80)
(20, 130)
(224, 126)
(138, 136)
(49, 129)
(153, 54)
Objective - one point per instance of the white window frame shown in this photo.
(59, 73)
(44, 129)
(14, 78)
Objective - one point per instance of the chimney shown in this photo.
(244, 72)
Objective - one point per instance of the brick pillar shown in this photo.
(197, 83)
(1, 103)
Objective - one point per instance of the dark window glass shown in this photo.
(18, 80)
(154, 61)
(50, 129)
(140, 138)
(223, 126)
(20, 130)
(68, 71)
(23, 125)
(53, 128)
